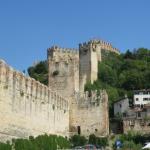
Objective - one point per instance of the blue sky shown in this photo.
(29, 27)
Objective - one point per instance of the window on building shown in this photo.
(145, 99)
(120, 105)
(137, 99)
(139, 114)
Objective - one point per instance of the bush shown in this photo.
(5, 146)
(78, 140)
(131, 145)
(133, 140)
(42, 142)
(101, 141)
(92, 139)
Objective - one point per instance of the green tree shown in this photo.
(39, 72)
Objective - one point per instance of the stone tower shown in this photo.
(89, 55)
(63, 70)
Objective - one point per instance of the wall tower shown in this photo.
(89, 55)
(63, 70)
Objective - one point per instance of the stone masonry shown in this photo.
(28, 107)
(69, 71)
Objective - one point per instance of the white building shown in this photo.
(121, 106)
(141, 97)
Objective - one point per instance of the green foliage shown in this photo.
(55, 73)
(92, 139)
(131, 146)
(137, 138)
(132, 140)
(5, 146)
(42, 142)
(102, 141)
(78, 140)
(121, 74)
(39, 72)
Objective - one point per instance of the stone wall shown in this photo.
(90, 113)
(27, 107)
(63, 70)
(88, 63)
(108, 46)
(136, 125)
(74, 70)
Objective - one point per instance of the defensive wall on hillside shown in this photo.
(28, 107)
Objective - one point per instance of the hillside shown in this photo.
(118, 74)
(121, 74)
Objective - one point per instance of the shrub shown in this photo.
(78, 140)
(5, 146)
(41, 142)
(101, 141)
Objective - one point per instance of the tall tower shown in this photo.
(63, 70)
(89, 55)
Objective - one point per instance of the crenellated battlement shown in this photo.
(29, 87)
(31, 108)
(56, 52)
(91, 98)
(103, 44)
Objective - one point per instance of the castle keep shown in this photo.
(28, 107)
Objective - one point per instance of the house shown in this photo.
(137, 120)
(121, 106)
(141, 97)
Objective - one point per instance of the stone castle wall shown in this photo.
(136, 125)
(74, 70)
(90, 113)
(76, 67)
(27, 107)
(108, 46)
(63, 70)
(89, 55)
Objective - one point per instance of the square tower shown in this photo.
(89, 55)
(63, 70)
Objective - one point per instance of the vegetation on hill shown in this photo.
(118, 74)
(121, 74)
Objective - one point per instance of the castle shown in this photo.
(28, 107)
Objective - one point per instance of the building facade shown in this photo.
(121, 106)
(141, 97)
